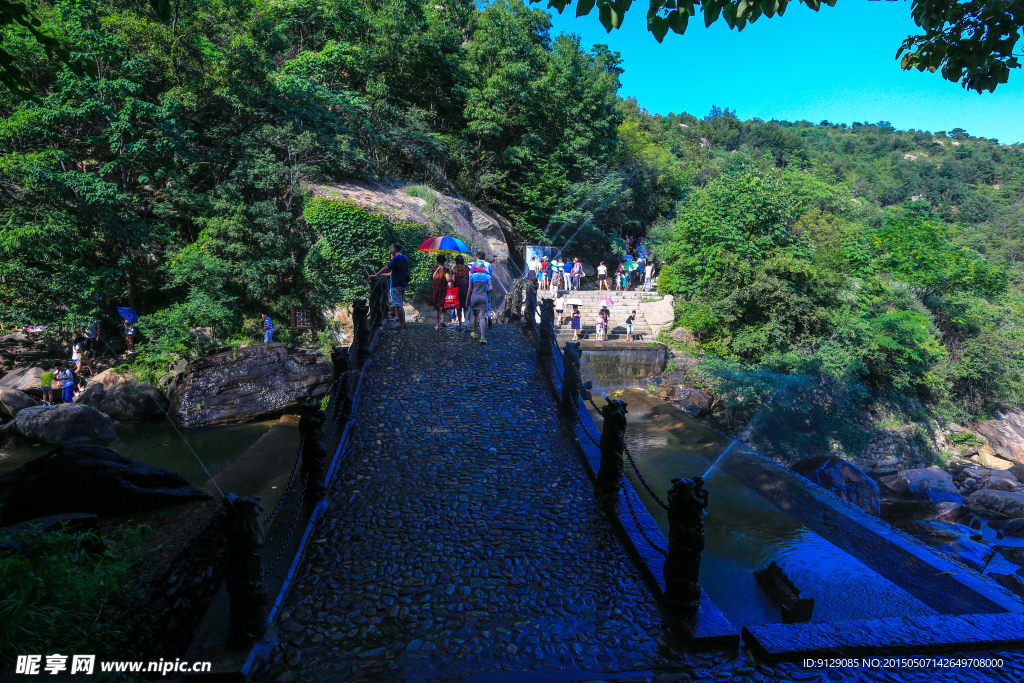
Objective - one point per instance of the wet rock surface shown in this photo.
(463, 542)
(89, 479)
(238, 386)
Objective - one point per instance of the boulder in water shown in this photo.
(123, 398)
(927, 483)
(63, 423)
(13, 401)
(693, 401)
(242, 385)
(24, 379)
(843, 479)
(1013, 528)
(1002, 503)
(91, 479)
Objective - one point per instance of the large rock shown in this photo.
(693, 401)
(242, 385)
(123, 398)
(658, 314)
(901, 511)
(13, 401)
(24, 379)
(63, 423)
(1005, 435)
(988, 459)
(482, 230)
(91, 479)
(1004, 503)
(842, 479)
(927, 483)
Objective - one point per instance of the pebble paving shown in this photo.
(463, 543)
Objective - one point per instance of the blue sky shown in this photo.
(836, 64)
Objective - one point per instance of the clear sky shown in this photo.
(836, 64)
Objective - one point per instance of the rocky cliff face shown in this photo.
(238, 386)
(481, 230)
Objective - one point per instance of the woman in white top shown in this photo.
(560, 308)
(602, 277)
(648, 274)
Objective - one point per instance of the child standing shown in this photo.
(67, 382)
(629, 326)
(599, 324)
(575, 322)
(46, 382)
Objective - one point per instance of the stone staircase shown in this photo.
(624, 303)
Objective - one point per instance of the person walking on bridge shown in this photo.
(398, 268)
(479, 301)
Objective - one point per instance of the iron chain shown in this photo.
(640, 528)
(287, 486)
(291, 529)
(643, 481)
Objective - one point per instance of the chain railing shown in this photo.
(610, 442)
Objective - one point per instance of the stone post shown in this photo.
(513, 302)
(529, 317)
(375, 313)
(571, 381)
(687, 505)
(244, 582)
(360, 332)
(613, 444)
(314, 455)
(547, 329)
(340, 361)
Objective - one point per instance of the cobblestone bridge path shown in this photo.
(463, 536)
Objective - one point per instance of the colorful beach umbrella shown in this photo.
(630, 266)
(446, 244)
(605, 302)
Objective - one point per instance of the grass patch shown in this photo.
(71, 592)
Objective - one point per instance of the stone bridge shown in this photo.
(463, 542)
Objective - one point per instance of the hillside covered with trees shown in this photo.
(173, 179)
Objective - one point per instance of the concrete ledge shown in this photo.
(873, 637)
(939, 582)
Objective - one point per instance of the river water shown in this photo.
(157, 443)
(745, 532)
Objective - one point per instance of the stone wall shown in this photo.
(622, 363)
(183, 584)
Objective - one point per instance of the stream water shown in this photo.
(745, 532)
(156, 443)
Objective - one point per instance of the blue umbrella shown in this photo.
(128, 313)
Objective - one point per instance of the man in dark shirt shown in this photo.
(398, 268)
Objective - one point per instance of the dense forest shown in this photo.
(171, 176)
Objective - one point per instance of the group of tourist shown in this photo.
(460, 294)
(554, 274)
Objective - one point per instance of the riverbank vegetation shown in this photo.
(171, 176)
